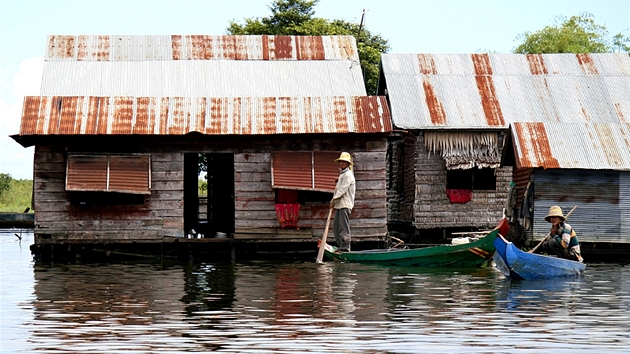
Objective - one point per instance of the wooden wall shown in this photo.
(161, 217)
(57, 220)
(432, 207)
(401, 181)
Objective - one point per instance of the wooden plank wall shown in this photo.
(432, 208)
(55, 217)
(255, 216)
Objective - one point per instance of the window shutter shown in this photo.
(326, 170)
(292, 170)
(129, 174)
(86, 173)
(109, 173)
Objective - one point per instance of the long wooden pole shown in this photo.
(322, 245)
(549, 234)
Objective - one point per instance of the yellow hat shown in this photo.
(555, 211)
(345, 157)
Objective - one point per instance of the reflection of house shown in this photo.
(559, 120)
(121, 122)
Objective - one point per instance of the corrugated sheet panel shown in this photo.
(110, 173)
(198, 47)
(304, 170)
(88, 115)
(202, 78)
(601, 198)
(593, 146)
(463, 91)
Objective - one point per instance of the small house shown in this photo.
(122, 121)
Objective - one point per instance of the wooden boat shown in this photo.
(471, 254)
(516, 264)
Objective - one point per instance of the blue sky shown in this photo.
(411, 26)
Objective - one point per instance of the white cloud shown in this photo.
(14, 159)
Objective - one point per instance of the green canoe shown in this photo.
(473, 254)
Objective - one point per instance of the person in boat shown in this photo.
(563, 241)
(343, 202)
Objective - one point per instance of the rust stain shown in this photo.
(586, 63)
(283, 47)
(482, 64)
(228, 47)
(164, 113)
(536, 64)
(82, 48)
(92, 115)
(176, 45)
(436, 110)
(102, 51)
(427, 64)
(308, 114)
(103, 115)
(68, 115)
(30, 115)
(123, 115)
(218, 115)
(201, 47)
(200, 118)
(386, 116)
(267, 125)
(42, 114)
(585, 113)
(318, 115)
(142, 116)
(79, 115)
(265, 47)
(55, 115)
(620, 112)
(153, 119)
(346, 48)
(340, 110)
(237, 113)
(61, 46)
(309, 48)
(286, 116)
(245, 115)
(366, 116)
(611, 151)
(487, 92)
(179, 116)
(535, 135)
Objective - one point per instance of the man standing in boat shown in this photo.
(343, 202)
(563, 241)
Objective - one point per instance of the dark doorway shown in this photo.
(220, 193)
(219, 216)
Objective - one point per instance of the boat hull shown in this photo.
(519, 265)
(472, 254)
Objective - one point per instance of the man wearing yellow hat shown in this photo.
(343, 202)
(563, 241)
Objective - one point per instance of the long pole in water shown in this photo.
(322, 245)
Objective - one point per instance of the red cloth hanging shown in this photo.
(288, 214)
(459, 196)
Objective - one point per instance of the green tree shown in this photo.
(578, 34)
(5, 183)
(297, 17)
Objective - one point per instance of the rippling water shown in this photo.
(298, 307)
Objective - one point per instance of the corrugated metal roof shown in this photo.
(210, 78)
(199, 47)
(585, 145)
(119, 115)
(464, 91)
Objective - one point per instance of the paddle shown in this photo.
(322, 245)
(549, 234)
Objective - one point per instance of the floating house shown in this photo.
(121, 122)
(557, 125)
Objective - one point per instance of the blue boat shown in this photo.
(516, 264)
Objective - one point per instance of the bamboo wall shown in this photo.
(432, 207)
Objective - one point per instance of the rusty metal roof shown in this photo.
(202, 66)
(198, 47)
(586, 145)
(126, 115)
(490, 91)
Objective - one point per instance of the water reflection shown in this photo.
(271, 307)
